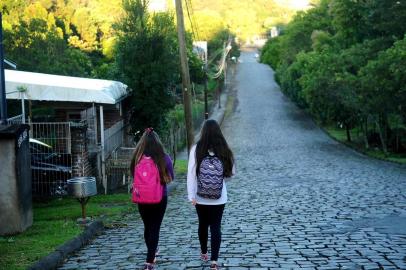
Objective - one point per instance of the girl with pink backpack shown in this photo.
(210, 162)
(152, 169)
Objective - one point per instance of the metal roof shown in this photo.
(47, 87)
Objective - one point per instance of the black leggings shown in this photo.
(152, 216)
(210, 215)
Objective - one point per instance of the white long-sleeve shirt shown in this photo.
(192, 183)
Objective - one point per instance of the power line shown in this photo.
(222, 65)
(190, 20)
(193, 18)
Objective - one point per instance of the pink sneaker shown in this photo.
(149, 266)
(204, 257)
(214, 266)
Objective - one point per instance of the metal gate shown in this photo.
(51, 158)
(118, 168)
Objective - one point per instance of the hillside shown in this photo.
(246, 18)
(81, 32)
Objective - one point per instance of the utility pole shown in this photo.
(206, 78)
(185, 74)
(3, 101)
(206, 106)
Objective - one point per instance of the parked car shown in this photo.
(50, 169)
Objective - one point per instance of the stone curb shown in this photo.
(360, 151)
(53, 260)
(222, 111)
(355, 150)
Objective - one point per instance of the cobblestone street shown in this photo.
(300, 200)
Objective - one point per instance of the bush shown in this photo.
(270, 53)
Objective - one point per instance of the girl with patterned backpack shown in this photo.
(210, 162)
(152, 169)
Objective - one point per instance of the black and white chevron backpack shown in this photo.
(210, 178)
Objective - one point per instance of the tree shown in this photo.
(383, 89)
(146, 55)
(387, 18)
(349, 19)
(343, 62)
(37, 46)
(298, 33)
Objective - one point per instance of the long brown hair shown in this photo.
(211, 138)
(151, 146)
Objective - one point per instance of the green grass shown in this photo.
(54, 224)
(181, 166)
(18, 252)
(229, 106)
(340, 135)
(391, 157)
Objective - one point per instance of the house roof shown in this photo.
(47, 87)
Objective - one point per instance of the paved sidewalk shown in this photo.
(299, 200)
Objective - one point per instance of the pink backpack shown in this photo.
(147, 187)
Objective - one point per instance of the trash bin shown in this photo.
(82, 188)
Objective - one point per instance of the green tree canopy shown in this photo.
(343, 61)
(147, 61)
